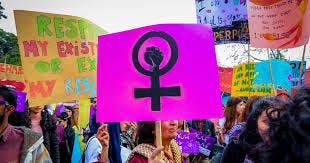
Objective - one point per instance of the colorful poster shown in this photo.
(225, 75)
(59, 56)
(12, 75)
(307, 78)
(84, 112)
(225, 97)
(21, 101)
(187, 142)
(281, 72)
(279, 23)
(242, 80)
(205, 142)
(227, 18)
(158, 72)
(296, 65)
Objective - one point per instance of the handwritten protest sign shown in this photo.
(21, 101)
(279, 23)
(225, 97)
(242, 80)
(187, 142)
(281, 71)
(205, 142)
(12, 75)
(133, 83)
(11, 72)
(59, 56)
(227, 18)
(296, 65)
(225, 75)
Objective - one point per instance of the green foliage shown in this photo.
(9, 52)
(274, 53)
(278, 54)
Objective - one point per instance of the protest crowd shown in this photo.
(259, 129)
(75, 93)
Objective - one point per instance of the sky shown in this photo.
(120, 15)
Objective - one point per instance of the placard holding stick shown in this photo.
(270, 67)
(301, 66)
(158, 138)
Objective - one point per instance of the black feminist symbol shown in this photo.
(153, 56)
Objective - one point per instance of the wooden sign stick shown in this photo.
(270, 68)
(301, 66)
(158, 138)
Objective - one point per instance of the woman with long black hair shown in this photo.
(234, 120)
(289, 135)
(39, 120)
(255, 132)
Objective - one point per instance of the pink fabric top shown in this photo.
(11, 142)
(35, 124)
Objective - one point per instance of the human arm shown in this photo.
(220, 134)
(54, 145)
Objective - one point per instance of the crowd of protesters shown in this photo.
(259, 129)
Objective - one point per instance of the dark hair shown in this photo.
(19, 119)
(73, 120)
(290, 135)
(8, 95)
(146, 132)
(250, 137)
(249, 106)
(48, 121)
(230, 112)
(64, 116)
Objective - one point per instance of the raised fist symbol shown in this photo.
(153, 56)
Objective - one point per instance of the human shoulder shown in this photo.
(28, 132)
(93, 143)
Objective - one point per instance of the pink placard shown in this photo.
(195, 92)
(278, 23)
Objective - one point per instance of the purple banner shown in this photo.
(91, 111)
(59, 108)
(187, 142)
(205, 142)
(21, 101)
(183, 80)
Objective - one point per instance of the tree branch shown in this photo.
(256, 58)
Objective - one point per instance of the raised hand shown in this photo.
(134, 130)
(220, 132)
(155, 153)
(153, 56)
(103, 135)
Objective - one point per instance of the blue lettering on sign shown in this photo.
(81, 85)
